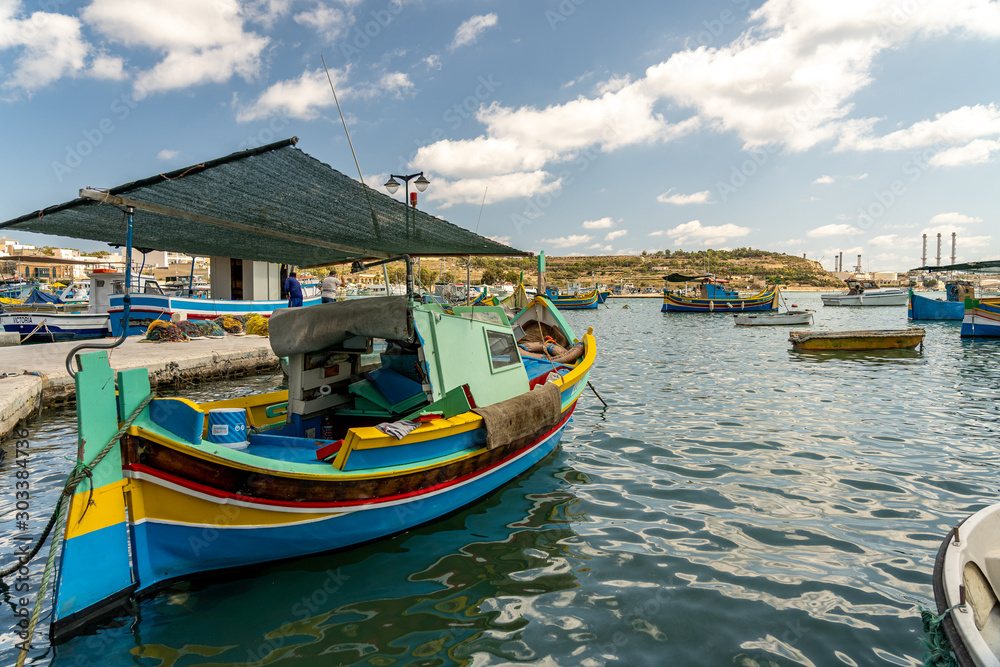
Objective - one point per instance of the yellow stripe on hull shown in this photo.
(106, 507)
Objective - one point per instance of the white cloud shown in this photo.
(960, 126)
(603, 223)
(167, 154)
(298, 98)
(201, 42)
(975, 152)
(832, 230)
(52, 47)
(824, 180)
(330, 22)
(788, 82)
(701, 197)
(568, 241)
(107, 67)
(618, 233)
(884, 241)
(954, 217)
(470, 29)
(601, 247)
(500, 239)
(508, 186)
(695, 232)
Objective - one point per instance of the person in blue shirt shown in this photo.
(293, 290)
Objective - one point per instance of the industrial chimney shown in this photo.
(953, 247)
(939, 250)
(923, 257)
(858, 270)
(841, 260)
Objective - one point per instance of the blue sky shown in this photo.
(589, 127)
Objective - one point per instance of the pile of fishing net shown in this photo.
(257, 325)
(210, 328)
(190, 329)
(164, 331)
(230, 325)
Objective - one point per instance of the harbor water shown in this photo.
(737, 503)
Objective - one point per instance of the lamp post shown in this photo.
(420, 184)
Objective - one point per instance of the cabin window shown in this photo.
(503, 349)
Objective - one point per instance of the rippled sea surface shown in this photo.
(737, 503)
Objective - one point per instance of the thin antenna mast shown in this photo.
(481, 209)
(349, 143)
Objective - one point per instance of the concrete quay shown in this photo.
(36, 374)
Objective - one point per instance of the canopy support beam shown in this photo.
(108, 198)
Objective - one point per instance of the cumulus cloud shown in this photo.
(470, 29)
(701, 197)
(695, 232)
(823, 180)
(955, 218)
(832, 230)
(568, 241)
(603, 223)
(51, 47)
(201, 42)
(786, 82)
(884, 241)
(618, 233)
(167, 154)
(330, 22)
(296, 98)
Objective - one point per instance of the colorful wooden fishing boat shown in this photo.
(573, 300)
(166, 489)
(866, 293)
(981, 318)
(714, 297)
(789, 317)
(857, 341)
(182, 496)
(965, 583)
(952, 307)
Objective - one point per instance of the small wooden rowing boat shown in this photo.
(771, 319)
(965, 580)
(857, 341)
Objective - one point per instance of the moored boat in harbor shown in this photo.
(713, 296)
(981, 318)
(857, 341)
(789, 317)
(866, 293)
(952, 307)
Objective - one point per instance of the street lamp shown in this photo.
(420, 184)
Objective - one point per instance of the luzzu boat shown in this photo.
(573, 300)
(166, 489)
(714, 297)
(981, 318)
(315, 472)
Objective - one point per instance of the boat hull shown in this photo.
(894, 298)
(584, 302)
(763, 302)
(856, 341)
(925, 308)
(981, 318)
(961, 559)
(145, 308)
(43, 327)
(791, 318)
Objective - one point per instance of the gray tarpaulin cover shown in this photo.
(522, 415)
(315, 328)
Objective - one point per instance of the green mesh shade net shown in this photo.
(270, 204)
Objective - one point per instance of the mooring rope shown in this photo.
(80, 472)
(938, 647)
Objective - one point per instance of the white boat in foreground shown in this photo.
(966, 578)
(770, 319)
(866, 293)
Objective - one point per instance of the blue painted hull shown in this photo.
(925, 308)
(170, 551)
(982, 320)
(148, 307)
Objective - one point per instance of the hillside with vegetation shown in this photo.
(746, 267)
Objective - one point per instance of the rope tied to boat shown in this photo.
(938, 648)
(80, 472)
